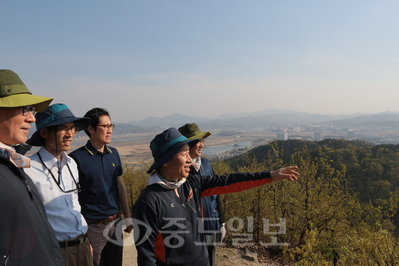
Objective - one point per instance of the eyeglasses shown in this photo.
(65, 129)
(27, 109)
(108, 127)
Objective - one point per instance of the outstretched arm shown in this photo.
(217, 185)
(285, 173)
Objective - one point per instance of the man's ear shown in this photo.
(44, 132)
(90, 129)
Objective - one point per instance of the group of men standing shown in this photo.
(57, 206)
(63, 209)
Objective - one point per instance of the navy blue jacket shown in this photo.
(169, 230)
(212, 207)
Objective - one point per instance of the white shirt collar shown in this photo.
(196, 163)
(50, 160)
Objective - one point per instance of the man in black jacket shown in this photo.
(26, 237)
(167, 215)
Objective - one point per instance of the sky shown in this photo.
(154, 58)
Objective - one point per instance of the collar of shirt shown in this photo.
(50, 160)
(157, 179)
(92, 150)
(196, 163)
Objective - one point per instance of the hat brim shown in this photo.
(81, 122)
(202, 135)
(24, 99)
(168, 155)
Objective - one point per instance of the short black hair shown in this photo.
(94, 115)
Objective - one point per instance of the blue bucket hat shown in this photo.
(54, 115)
(165, 145)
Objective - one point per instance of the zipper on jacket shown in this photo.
(5, 257)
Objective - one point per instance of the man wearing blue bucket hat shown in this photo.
(26, 237)
(56, 177)
(168, 226)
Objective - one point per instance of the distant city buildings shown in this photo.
(228, 154)
(317, 136)
(282, 136)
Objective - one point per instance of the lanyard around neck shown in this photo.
(59, 176)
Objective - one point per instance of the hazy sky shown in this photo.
(205, 58)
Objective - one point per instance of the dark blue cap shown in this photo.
(165, 145)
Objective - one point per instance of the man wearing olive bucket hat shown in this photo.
(56, 177)
(168, 227)
(211, 205)
(26, 237)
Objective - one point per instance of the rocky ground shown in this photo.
(225, 256)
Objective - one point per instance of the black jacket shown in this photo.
(168, 230)
(26, 237)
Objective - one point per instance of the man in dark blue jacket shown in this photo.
(211, 205)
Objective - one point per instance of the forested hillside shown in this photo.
(341, 211)
(372, 171)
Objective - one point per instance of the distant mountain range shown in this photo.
(256, 120)
(175, 120)
(266, 118)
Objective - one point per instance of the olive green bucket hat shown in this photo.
(192, 131)
(14, 93)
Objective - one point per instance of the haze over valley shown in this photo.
(230, 131)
